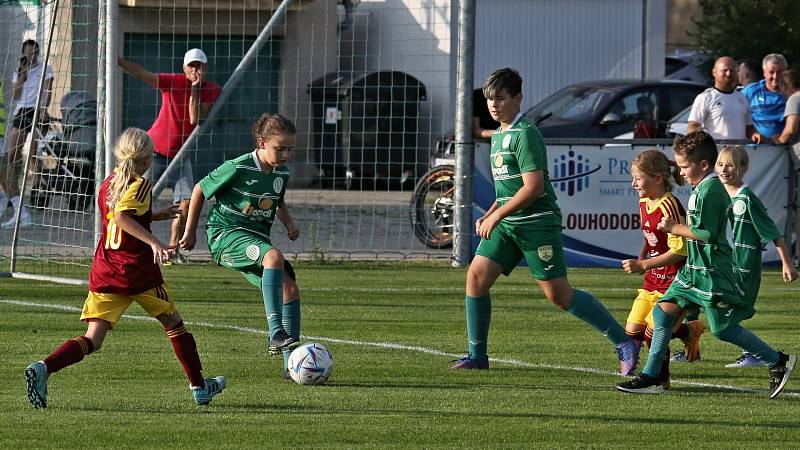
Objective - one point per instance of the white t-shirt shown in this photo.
(31, 87)
(723, 116)
(793, 108)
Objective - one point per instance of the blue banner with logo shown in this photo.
(600, 208)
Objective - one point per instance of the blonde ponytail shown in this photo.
(133, 145)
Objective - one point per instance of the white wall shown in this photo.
(557, 43)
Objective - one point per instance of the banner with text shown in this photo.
(600, 209)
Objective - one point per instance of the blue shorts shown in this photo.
(180, 180)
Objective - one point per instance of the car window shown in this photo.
(678, 98)
(639, 105)
(570, 104)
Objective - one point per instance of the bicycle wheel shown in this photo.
(432, 207)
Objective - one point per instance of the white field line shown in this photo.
(395, 346)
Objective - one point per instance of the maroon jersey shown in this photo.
(658, 242)
(123, 264)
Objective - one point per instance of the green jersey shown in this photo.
(246, 197)
(515, 151)
(752, 227)
(707, 277)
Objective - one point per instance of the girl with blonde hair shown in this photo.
(125, 269)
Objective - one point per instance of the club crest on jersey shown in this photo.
(252, 252)
(277, 185)
(692, 201)
(506, 140)
(545, 253)
(739, 207)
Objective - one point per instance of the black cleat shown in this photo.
(282, 341)
(779, 373)
(642, 384)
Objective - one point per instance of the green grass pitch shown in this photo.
(392, 329)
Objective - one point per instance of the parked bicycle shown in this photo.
(431, 209)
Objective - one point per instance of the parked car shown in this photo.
(608, 108)
(688, 65)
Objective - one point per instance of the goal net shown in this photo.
(368, 83)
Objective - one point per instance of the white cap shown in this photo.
(193, 55)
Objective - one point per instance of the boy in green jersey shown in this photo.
(707, 279)
(525, 222)
(249, 192)
(752, 227)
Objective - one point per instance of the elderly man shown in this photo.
(766, 102)
(721, 110)
(185, 99)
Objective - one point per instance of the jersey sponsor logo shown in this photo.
(265, 203)
(651, 238)
(571, 173)
(277, 185)
(499, 167)
(252, 252)
(506, 140)
(739, 207)
(225, 259)
(250, 182)
(545, 253)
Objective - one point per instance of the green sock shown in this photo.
(749, 342)
(272, 289)
(479, 316)
(659, 346)
(589, 309)
(291, 323)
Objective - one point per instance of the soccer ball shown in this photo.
(311, 363)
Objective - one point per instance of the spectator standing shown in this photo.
(790, 89)
(747, 72)
(483, 126)
(26, 90)
(766, 102)
(721, 110)
(186, 98)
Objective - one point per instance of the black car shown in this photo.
(609, 108)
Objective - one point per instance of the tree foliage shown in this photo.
(749, 28)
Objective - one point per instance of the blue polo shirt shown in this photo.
(768, 108)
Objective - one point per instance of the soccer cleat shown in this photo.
(470, 363)
(628, 354)
(36, 375)
(282, 341)
(203, 395)
(642, 384)
(680, 356)
(746, 360)
(285, 375)
(691, 346)
(178, 258)
(779, 373)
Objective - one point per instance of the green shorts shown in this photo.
(749, 283)
(240, 249)
(542, 249)
(719, 314)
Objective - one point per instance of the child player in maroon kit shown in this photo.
(126, 269)
(662, 254)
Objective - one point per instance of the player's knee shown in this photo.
(477, 284)
(273, 259)
(728, 334)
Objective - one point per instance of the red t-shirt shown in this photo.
(659, 242)
(123, 264)
(172, 126)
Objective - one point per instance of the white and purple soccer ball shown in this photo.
(311, 364)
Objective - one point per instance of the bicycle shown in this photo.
(431, 209)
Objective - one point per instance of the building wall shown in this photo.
(679, 23)
(554, 44)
